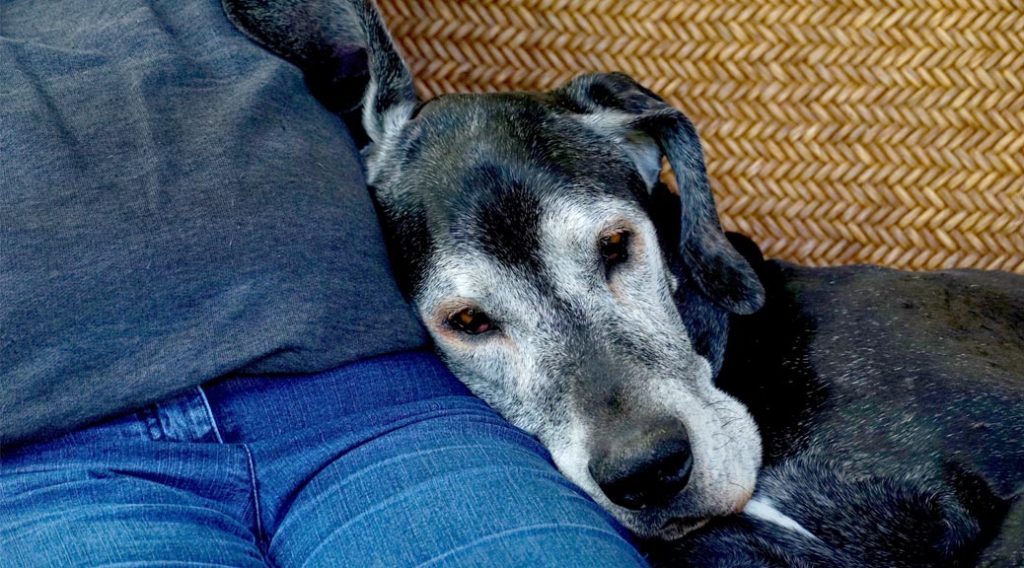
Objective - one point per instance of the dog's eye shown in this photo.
(471, 321)
(614, 249)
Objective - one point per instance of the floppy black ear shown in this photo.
(647, 128)
(344, 50)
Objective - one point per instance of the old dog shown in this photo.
(569, 287)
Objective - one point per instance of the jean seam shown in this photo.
(209, 413)
(257, 510)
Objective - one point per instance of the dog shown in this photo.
(569, 287)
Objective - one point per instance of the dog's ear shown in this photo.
(647, 128)
(344, 50)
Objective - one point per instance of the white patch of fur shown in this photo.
(370, 121)
(383, 130)
(572, 458)
(765, 510)
(396, 117)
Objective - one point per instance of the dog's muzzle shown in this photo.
(646, 468)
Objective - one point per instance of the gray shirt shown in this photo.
(174, 207)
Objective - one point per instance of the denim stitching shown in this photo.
(255, 495)
(209, 412)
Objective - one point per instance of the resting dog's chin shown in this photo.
(676, 529)
(672, 529)
(672, 524)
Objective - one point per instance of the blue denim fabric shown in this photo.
(385, 462)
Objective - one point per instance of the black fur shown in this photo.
(506, 220)
(858, 522)
(891, 405)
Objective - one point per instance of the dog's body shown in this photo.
(891, 406)
(568, 287)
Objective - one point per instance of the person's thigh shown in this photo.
(83, 500)
(418, 472)
(458, 487)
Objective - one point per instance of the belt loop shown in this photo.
(184, 418)
(150, 417)
(210, 415)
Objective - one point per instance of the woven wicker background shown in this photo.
(881, 131)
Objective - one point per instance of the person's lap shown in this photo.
(387, 462)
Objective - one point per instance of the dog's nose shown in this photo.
(645, 474)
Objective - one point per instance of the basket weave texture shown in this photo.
(836, 132)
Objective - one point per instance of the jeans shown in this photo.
(384, 462)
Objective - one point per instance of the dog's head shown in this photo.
(566, 285)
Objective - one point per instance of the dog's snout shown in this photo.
(646, 471)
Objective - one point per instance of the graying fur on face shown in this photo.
(567, 348)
